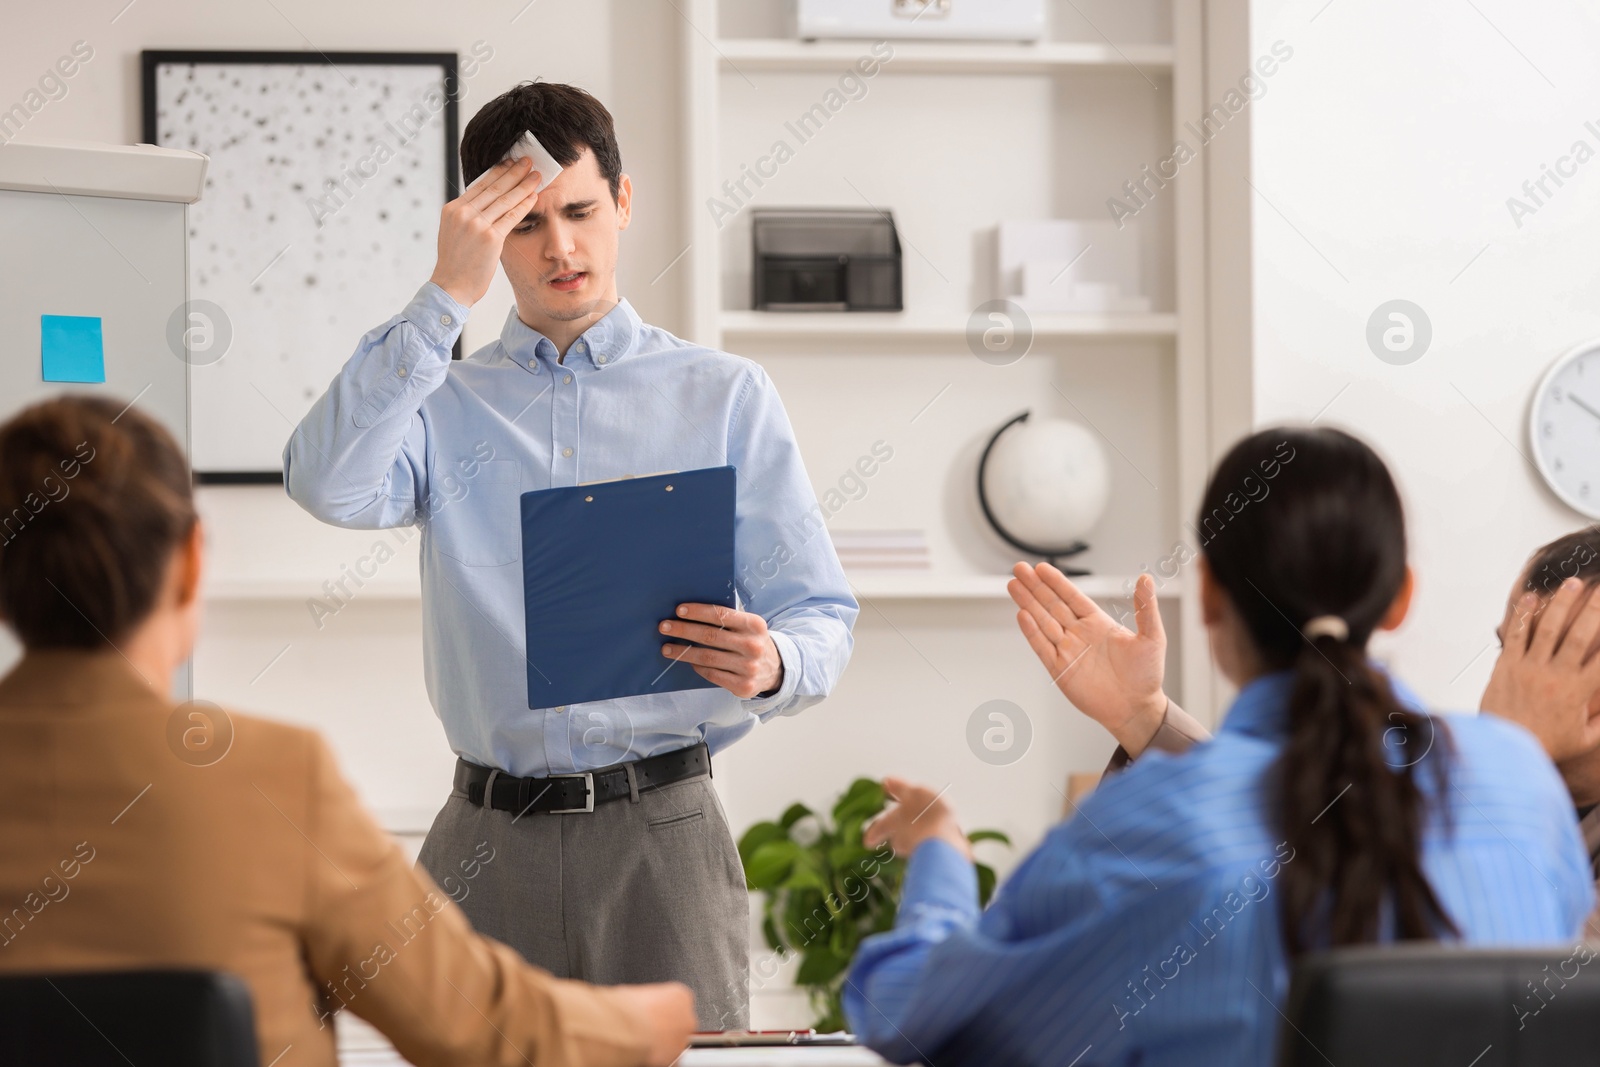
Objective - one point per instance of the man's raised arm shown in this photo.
(359, 456)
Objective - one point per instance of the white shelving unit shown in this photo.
(890, 586)
(940, 57)
(887, 324)
(979, 132)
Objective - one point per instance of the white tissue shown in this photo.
(528, 147)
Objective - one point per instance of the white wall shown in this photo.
(1384, 154)
(578, 43)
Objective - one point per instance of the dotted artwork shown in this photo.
(318, 222)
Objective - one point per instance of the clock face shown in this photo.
(1565, 428)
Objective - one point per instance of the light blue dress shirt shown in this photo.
(406, 436)
(1144, 930)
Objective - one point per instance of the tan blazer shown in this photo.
(115, 852)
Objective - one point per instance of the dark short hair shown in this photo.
(564, 118)
(94, 502)
(1577, 555)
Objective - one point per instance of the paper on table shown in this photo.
(528, 147)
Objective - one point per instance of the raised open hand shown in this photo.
(1110, 673)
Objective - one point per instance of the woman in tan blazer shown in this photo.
(137, 833)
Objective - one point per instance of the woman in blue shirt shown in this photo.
(1157, 925)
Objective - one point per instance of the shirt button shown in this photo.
(562, 708)
(401, 372)
(445, 320)
(600, 359)
(566, 379)
(566, 451)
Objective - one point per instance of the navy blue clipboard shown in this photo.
(604, 564)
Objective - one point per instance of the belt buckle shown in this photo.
(588, 779)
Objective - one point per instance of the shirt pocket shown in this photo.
(476, 506)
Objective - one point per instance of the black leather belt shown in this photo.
(562, 794)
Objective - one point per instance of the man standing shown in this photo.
(613, 858)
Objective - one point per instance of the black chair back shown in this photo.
(1420, 1005)
(111, 1019)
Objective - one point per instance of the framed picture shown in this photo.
(319, 220)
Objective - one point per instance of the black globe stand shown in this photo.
(1053, 555)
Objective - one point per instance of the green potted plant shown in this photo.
(826, 891)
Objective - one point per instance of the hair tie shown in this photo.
(1326, 626)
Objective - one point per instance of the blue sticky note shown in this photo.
(72, 348)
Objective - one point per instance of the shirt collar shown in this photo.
(600, 346)
(1262, 707)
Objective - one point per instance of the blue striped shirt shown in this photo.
(1146, 928)
(406, 436)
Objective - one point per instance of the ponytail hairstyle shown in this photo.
(1304, 532)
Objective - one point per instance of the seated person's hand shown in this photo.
(668, 1011)
(1108, 672)
(1547, 678)
(919, 813)
(742, 658)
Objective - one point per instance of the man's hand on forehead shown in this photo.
(473, 228)
(1548, 673)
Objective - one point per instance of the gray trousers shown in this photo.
(646, 890)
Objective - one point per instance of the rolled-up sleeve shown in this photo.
(358, 458)
(786, 567)
(1178, 733)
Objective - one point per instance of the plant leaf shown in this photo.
(986, 880)
(770, 930)
(758, 835)
(793, 814)
(820, 965)
(988, 835)
(805, 918)
(770, 864)
(862, 800)
(805, 876)
(847, 859)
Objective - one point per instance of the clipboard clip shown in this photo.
(625, 477)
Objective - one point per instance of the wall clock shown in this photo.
(1564, 428)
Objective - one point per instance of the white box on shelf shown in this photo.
(978, 20)
(1046, 287)
(1070, 265)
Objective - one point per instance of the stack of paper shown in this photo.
(882, 549)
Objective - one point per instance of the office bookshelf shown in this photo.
(979, 131)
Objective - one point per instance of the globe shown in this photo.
(1047, 481)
